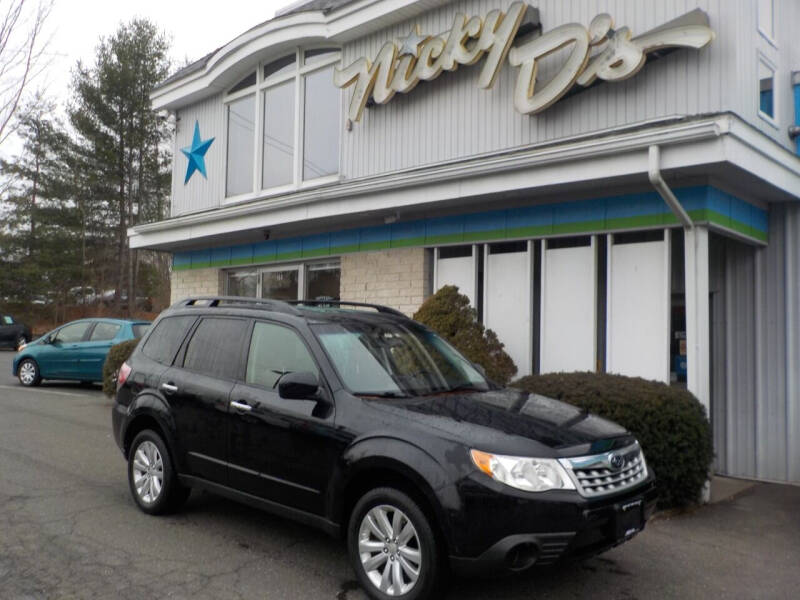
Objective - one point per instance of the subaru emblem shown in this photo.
(616, 461)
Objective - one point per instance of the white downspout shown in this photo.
(654, 173)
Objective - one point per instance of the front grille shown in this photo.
(607, 473)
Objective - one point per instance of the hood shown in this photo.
(512, 420)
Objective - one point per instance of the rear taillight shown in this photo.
(124, 372)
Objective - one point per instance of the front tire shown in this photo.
(28, 373)
(392, 547)
(152, 478)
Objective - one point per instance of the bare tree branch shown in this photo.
(21, 55)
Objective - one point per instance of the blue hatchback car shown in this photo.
(76, 350)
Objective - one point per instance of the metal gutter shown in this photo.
(654, 174)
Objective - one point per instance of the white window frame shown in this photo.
(259, 88)
(768, 35)
(772, 120)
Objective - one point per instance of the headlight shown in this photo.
(528, 474)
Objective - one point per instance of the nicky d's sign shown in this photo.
(596, 52)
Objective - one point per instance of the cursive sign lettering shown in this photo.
(596, 52)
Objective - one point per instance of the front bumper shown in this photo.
(511, 531)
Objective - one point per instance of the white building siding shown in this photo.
(451, 118)
(199, 193)
(756, 352)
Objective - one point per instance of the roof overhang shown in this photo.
(234, 60)
(722, 147)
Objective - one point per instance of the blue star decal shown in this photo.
(195, 154)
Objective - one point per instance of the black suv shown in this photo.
(368, 425)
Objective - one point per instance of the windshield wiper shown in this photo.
(381, 395)
(463, 388)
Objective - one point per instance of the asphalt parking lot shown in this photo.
(69, 529)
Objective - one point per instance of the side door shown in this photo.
(281, 450)
(92, 353)
(197, 389)
(61, 358)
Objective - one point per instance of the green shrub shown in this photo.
(670, 424)
(117, 355)
(449, 314)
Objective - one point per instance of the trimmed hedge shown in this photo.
(117, 355)
(670, 424)
(449, 314)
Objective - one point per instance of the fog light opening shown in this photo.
(522, 556)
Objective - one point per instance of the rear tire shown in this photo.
(28, 373)
(392, 547)
(152, 478)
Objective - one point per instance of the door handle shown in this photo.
(170, 388)
(241, 406)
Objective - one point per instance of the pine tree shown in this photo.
(122, 142)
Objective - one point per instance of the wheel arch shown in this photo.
(399, 465)
(150, 412)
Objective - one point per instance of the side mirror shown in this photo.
(48, 339)
(298, 386)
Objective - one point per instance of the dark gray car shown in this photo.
(13, 333)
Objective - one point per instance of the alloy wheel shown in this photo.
(389, 549)
(148, 472)
(27, 373)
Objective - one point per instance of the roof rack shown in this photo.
(214, 301)
(378, 307)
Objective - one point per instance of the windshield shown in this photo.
(390, 359)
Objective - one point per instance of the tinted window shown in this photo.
(7, 320)
(104, 332)
(69, 334)
(275, 350)
(140, 330)
(215, 347)
(163, 343)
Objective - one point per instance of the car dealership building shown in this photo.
(614, 184)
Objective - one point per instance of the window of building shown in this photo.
(241, 129)
(323, 281)
(243, 283)
(766, 18)
(274, 351)
(296, 110)
(215, 347)
(766, 90)
(279, 142)
(314, 281)
(321, 125)
(104, 332)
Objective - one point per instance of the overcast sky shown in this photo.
(195, 27)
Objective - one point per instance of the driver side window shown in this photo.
(276, 350)
(69, 334)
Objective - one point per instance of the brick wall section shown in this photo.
(196, 282)
(400, 278)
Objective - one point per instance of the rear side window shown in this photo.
(163, 343)
(7, 320)
(139, 330)
(216, 346)
(103, 332)
(276, 350)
